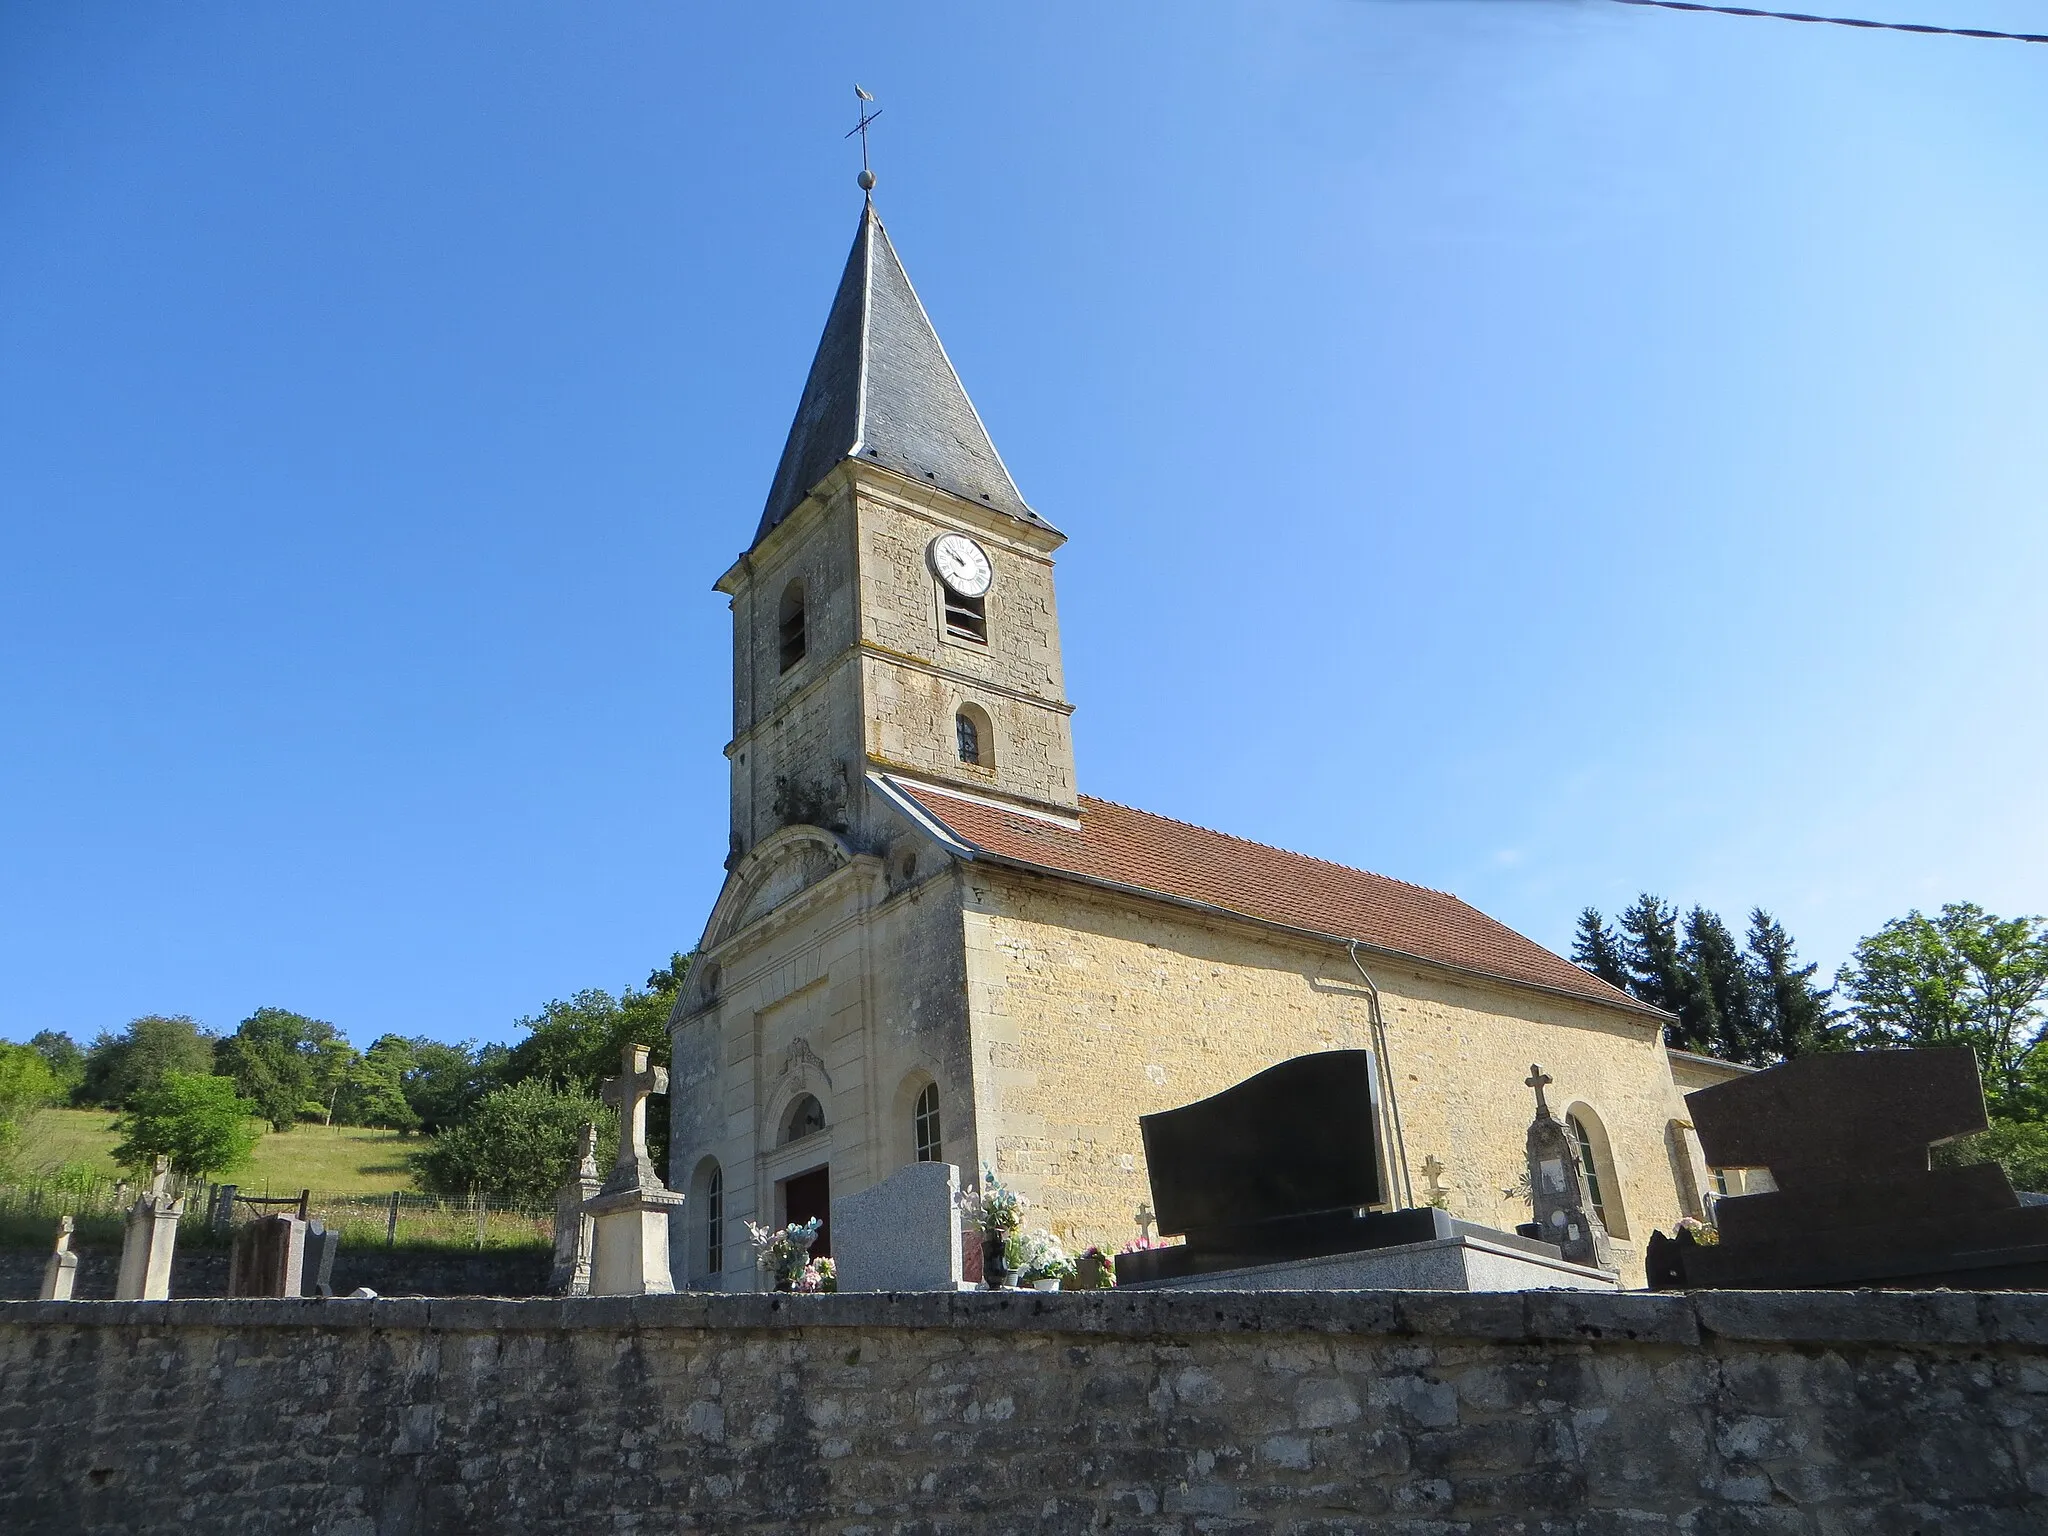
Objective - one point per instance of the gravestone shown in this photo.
(1269, 1181)
(902, 1234)
(1845, 1136)
(1557, 1187)
(61, 1273)
(268, 1257)
(149, 1241)
(574, 1227)
(316, 1267)
(631, 1212)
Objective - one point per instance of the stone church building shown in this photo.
(931, 945)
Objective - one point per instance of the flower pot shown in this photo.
(995, 1269)
(1045, 1285)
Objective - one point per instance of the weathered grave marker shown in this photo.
(61, 1273)
(574, 1226)
(1557, 1186)
(268, 1257)
(149, 1240)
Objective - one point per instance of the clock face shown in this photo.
(962, 564)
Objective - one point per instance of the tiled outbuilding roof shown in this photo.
(1135, 849)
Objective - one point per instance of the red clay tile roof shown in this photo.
(1189, 863)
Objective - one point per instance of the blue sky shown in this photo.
(1538, 448)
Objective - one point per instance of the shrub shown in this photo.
(516, 1144)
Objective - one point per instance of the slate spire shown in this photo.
(881, 389)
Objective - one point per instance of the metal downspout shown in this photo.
(1379, 1032)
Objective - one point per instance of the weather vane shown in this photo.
(867, 177)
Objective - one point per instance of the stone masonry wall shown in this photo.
(394, 1272)
(1310, 1415)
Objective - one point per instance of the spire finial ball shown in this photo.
(867, 180)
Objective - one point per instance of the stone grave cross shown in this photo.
(1433, 1170)
(628, 1094)
(1144, 1217)
(629, 1239)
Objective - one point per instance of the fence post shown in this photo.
(482, 1206)
(391, 1222)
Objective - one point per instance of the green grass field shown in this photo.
(330, 1160)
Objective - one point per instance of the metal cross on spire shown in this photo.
(867, 176)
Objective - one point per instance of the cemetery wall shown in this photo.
(203, 1272)
(1775, 1413)
(1096, 1009)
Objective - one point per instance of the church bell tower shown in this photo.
(894, 614)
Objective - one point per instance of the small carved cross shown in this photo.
(586, 1151)
(1144, 1217)
(627, 1093)
(1537, 1079)
(160, 1181)
(1433, 1171)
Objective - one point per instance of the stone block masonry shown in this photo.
(1309, 1415)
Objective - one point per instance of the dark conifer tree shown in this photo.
(1597, 949)
(1793, 1016)
(1656, 968)
(1723, 996)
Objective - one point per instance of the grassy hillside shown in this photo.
(336, 1160)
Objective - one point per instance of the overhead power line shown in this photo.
(1842, 21)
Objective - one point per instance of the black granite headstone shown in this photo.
(1845, 1136)
(1281, 1166)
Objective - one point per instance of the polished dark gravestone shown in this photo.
(1282, 1166)
(1846, 1136)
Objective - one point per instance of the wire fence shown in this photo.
(99, 1208)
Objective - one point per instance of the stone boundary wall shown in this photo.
(1423, 1414)
(203, 1272)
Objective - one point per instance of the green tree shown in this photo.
(286, 1062)
(118, 1067)
(2020, 1147)
(1792, 1015)
(576, 1046)
(27, 1085)
(1720, 992)
(668, 980)
(194, 1119)
(1597, 949)
(1656, 962)
(65, 1057)
(517, 1143)
(1961, 977)
(373, 1088)
(442, 1081)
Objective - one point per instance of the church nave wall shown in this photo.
(1090, 1009)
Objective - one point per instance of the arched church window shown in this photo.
(924, 1125)
(1589, 1137)
(806, 1117)
(790, 624)
(975, 736)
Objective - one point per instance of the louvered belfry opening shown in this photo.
(967, 617)
(790, 624)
